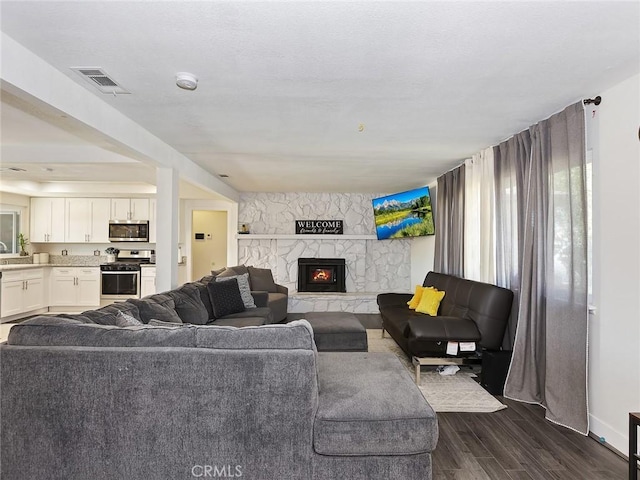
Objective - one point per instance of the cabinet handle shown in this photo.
(26, 284)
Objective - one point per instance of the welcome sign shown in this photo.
(319, 227)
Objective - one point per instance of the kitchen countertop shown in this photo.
(23, 266)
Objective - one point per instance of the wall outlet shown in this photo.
(96, 253)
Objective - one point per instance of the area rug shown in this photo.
(445, 393)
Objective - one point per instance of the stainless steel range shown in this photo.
(120, 280)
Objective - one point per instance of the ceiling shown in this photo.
(313, 96)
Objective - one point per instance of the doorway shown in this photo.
(208, 241)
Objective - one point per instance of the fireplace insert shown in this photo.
(321, 275)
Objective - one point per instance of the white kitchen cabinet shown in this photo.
(129, 209)
(87, 220)
(12, 293)
(153, 216)
(75, 286)
(22, 291)
(47, 217)
(147, 281)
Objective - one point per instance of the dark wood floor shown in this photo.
(513, 444)
(518, 443)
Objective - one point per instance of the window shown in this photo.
(9, 230)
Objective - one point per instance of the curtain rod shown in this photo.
(595, 101)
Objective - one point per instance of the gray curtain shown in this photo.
(549, 364)
(449, 249)
(511, 167)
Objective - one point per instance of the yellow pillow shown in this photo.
(415, 300)
(430, 301)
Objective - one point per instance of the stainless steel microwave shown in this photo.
(128, 230)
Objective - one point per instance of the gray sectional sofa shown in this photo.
(261, 282)
(88, 397)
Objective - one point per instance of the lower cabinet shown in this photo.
(22, 291)
(148, 281)
(75, 286)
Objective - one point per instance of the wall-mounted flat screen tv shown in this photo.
(405, 214)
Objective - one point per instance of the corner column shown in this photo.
(168, 207)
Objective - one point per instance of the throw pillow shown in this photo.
(225, 298)
(126, 320)
(151, 309)
(430, 302)
(261, 279)
(189, 304)
(415, 300)
(245, 290)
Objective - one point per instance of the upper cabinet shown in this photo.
(87, 220)
(129, 209)
(47, 220)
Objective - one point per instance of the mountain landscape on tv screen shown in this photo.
(406, 214)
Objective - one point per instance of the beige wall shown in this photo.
(210, 253)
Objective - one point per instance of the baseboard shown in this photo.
(608, 436)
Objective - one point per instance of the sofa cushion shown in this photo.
(239, 322)
(243, 285)
(260, 312)
(260, 298)
(160, 323)
(158, 307)
(235, 270)
(369, 405)
(52, 331)
(429, 335)
(294, 335)
(262, 279)
(204, 297)
(108, 315)
(189, 305)
(215, 273)
(225, 298)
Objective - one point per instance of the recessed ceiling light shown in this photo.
(223, 175)
(186, 81)
(12, 169)
(47, 169)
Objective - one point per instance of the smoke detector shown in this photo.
(186, 81)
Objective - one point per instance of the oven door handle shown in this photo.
(122, 272)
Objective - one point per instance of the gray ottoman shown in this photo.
(337, 332)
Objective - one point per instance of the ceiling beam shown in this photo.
(27, 76)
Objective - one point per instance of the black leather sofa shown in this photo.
(469, 312)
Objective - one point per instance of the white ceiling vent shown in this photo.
(97, 77)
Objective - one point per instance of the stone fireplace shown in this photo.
(321, 275)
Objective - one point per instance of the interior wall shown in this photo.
(614, 336)
(423, 249)
(209, 253)
(187, 208)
